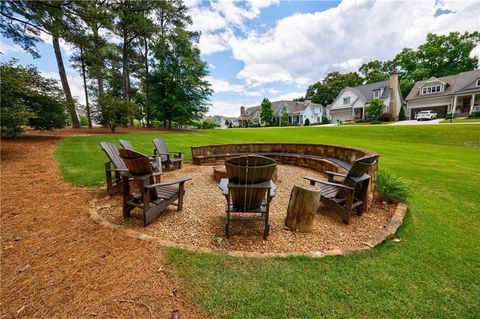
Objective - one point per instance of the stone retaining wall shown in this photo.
(304, 155)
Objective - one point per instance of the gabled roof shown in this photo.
(454, 83)
(366, 91)
(277, 106)
(432, 79)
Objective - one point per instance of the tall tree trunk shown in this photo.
(64, 81)
(126, 76)
(96, 41)
(89, 117)
(147, 106)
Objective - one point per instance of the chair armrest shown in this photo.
(360, 179)
(171, 182)
(157, 173)
(313, 179)
(336, 184)
(336, 174)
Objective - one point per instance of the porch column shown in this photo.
(454, 107)
(472, 103)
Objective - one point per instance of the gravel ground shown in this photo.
(201, 223)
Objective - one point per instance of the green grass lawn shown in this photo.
(434, 272)
(461, 120)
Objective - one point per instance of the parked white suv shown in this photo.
(425, 115)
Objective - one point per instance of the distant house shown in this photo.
(351, 101)
(458, 94)
(224, 120)
(298, 112)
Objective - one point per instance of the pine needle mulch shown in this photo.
(55, 262)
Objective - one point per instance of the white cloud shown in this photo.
(222, 86)
(218, 20)
(226, 108)
(10, 49)
(304, 47)
(288, 96)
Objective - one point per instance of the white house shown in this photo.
(458, 94)
(224, 121)
(298, 112)
(351, 102)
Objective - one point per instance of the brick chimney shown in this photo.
(393, 107)
(242, 110)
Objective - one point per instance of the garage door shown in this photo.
(440, 110)
(340, 116)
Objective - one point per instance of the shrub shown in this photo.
(112, 111)
(401, 115)
(83, 121)
(307, 122)
(448, 116)
(386, 117)
(474, 115)
(375, 122)
(391, 188)
(325, 120)
(28, 98)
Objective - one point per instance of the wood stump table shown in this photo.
(220, 172)
(303, 204)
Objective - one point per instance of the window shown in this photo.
(376, 94)
(346, 100)
(432, 89)
(478, 82)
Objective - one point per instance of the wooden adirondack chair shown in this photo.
(248, 189)
(155, 161)
(350, 193)
(155, 196)
(169, 159)
(114, 168)
(126, 144)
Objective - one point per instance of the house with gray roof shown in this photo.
(298, 112)
(351, 102)
(457, 94)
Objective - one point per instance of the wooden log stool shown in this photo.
(219, 172)
(303, 204)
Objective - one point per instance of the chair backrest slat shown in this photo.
(248, 170)
(359, 168)
(113, 155)
(139, 165)
(126, 144)
(161, 147)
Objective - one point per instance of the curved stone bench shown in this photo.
(319, 157)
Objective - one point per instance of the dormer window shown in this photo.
(376, 94)
(478, 82)
(346, 100)
(431, 89)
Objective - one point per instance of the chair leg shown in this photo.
(126, 196)
(227, 226)
(181, 192)
(266, 232)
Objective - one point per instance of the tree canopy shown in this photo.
(266, 113)
(440, 55)
(140, 51)
(28, 98)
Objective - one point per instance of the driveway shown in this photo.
(415, 122)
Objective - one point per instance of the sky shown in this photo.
(275, 49)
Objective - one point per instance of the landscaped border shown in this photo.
(386, 233)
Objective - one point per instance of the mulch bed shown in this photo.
(57, 263)
(201, 223)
